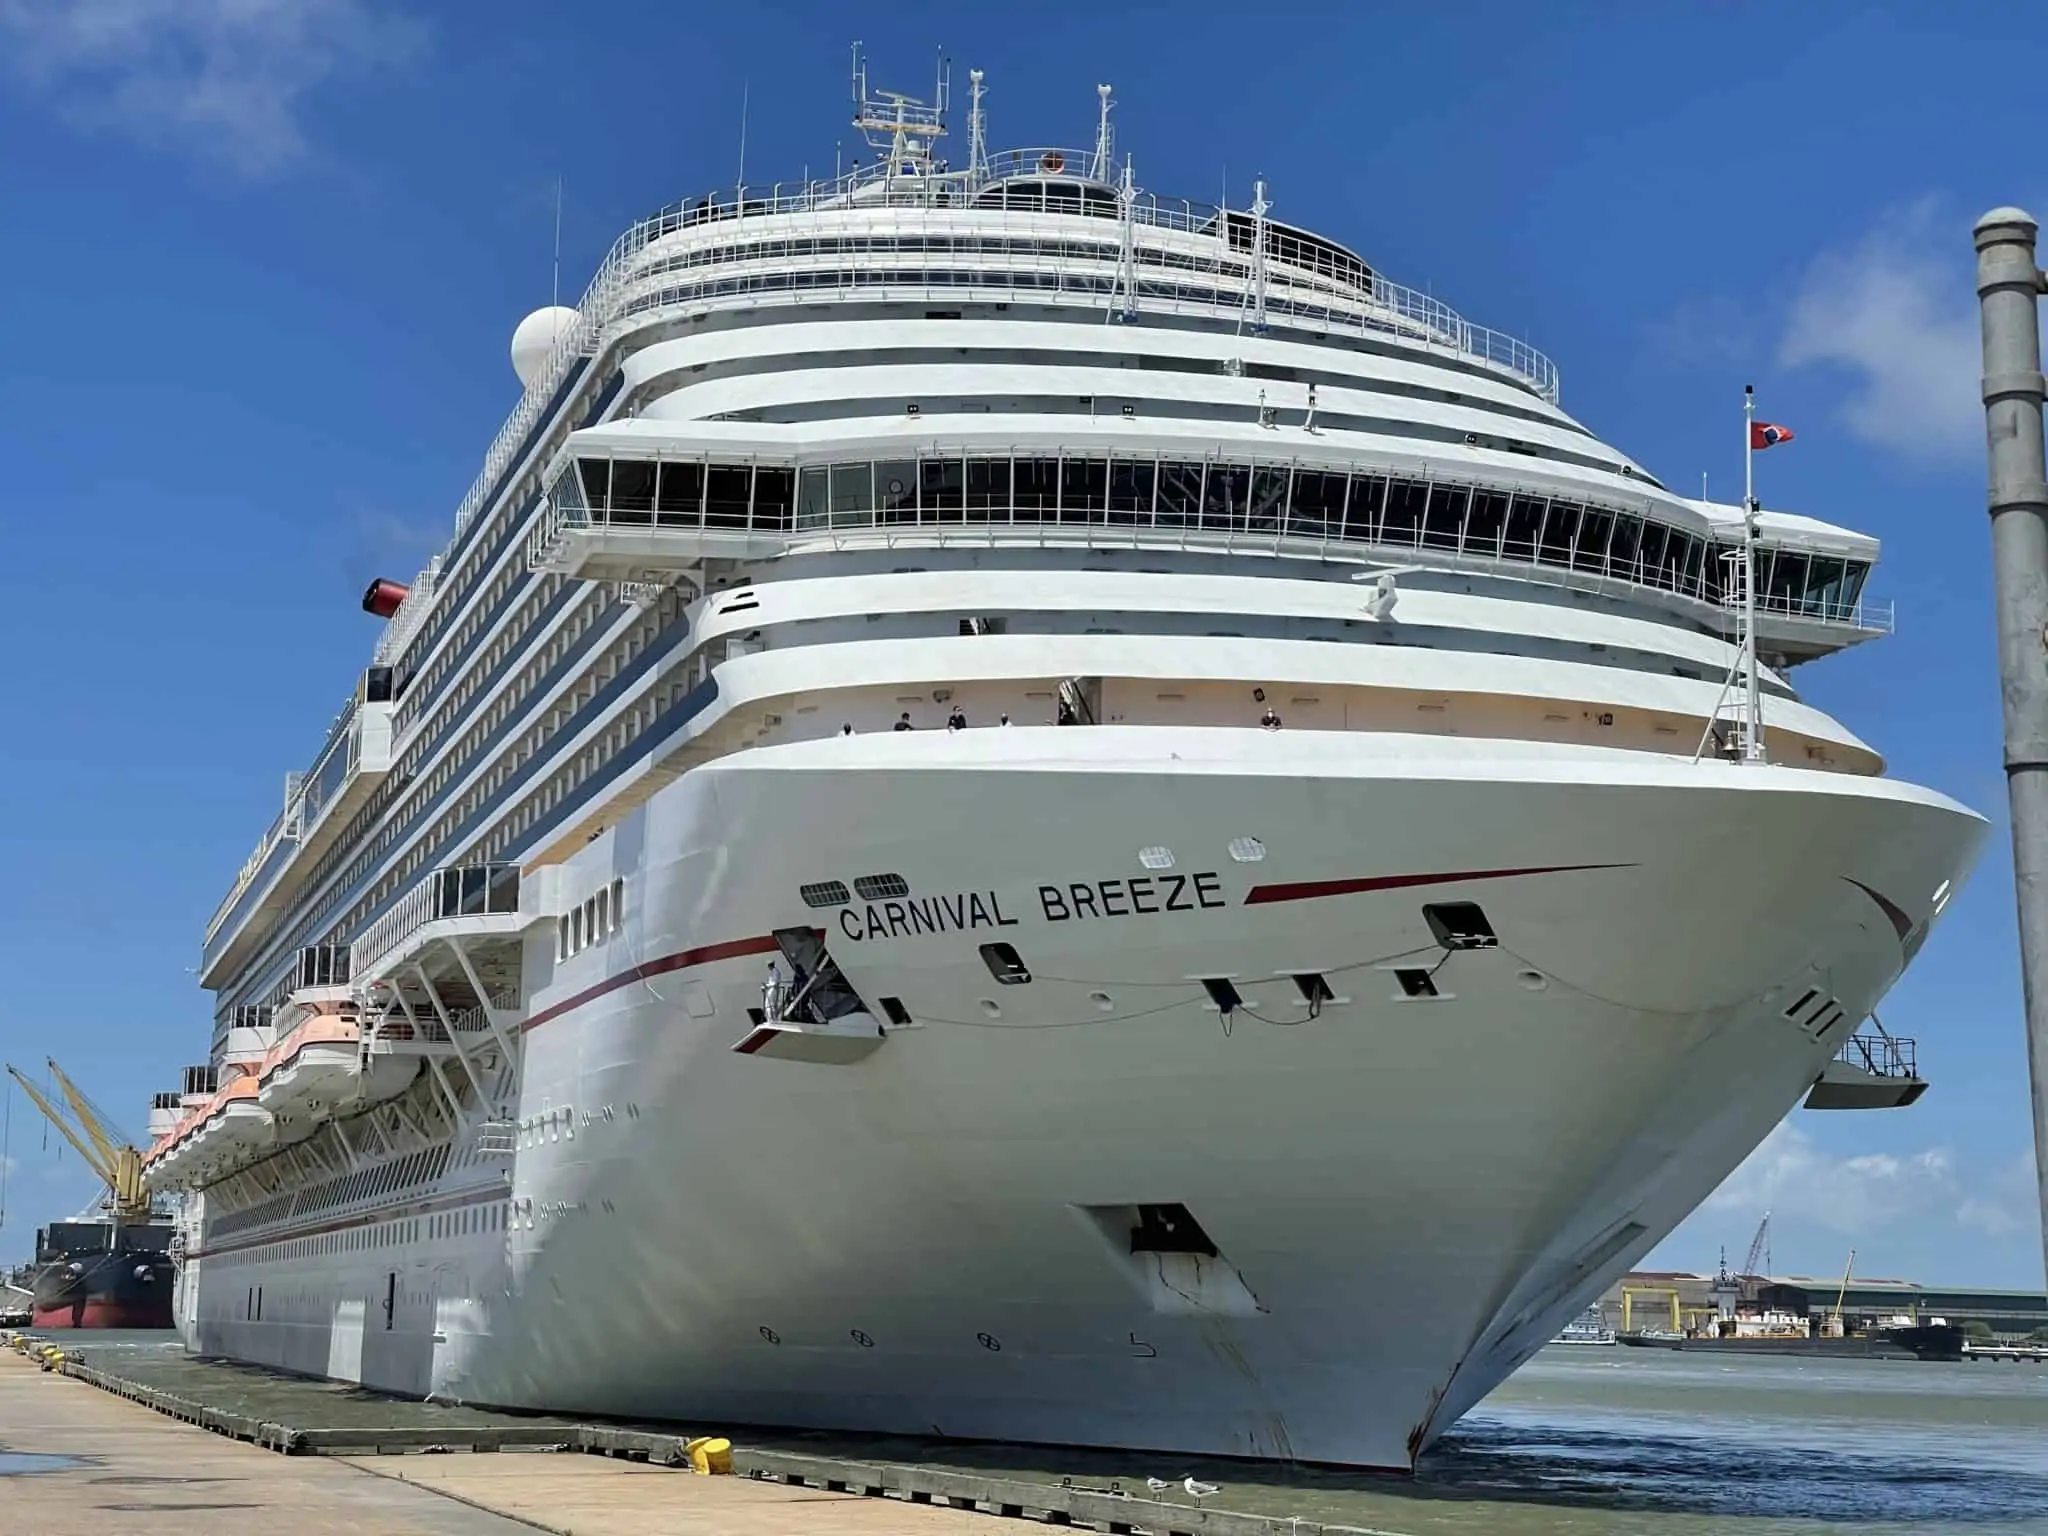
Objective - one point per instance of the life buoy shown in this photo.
(1052, 162)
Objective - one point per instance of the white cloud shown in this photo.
(1897, 312)
(226, 78)
(2005, 1204)
(1801, 1185)
(1805, 1187)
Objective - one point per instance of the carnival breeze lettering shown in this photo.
(929, 914)
(1130, 896)
(1124, 897)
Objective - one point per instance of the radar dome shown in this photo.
(534, 342)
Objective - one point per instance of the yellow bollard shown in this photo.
(710, 1455)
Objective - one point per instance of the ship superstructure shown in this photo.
(1016, 810)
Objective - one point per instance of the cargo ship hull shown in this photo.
(100, 1275)
(1927, 1342)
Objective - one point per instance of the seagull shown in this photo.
(1158, 1484)
(1200, 1491)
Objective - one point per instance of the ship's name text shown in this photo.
(1130, 895)
(909, 917)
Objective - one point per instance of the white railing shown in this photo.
(869, 186)
(306, 794)
(471, 890)
(1871, 616)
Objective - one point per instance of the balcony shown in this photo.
(443, 968)
(475, 901)
(317, 805)
(1873, 1070)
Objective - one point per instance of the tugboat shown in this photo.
(1589, 1327)
(115, 1271)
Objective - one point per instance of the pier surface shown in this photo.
(74, 1458)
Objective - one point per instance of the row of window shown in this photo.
(1340, 267)
(459, 759)
(593, 920)
(1274, 501)
(487, 1217)
(1006, 283)
(365, 1183)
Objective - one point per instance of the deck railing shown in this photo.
(1881, 1054)
(468, 890)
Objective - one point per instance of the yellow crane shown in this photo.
(96, 1139)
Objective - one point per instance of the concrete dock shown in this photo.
(111, 1437)
(75, 1459)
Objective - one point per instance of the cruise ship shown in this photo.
(1023, 809)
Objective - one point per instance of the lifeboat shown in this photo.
(317, 1067)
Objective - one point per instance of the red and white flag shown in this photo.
(1764, 434)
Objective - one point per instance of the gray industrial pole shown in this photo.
(2009, 286)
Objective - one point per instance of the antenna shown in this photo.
(746, 87)
(977, 128)
(1260, 207)
(1103, 145)
(555, 289)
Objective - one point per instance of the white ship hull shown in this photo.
(1408, 1197)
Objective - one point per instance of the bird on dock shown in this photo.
(1200, 1491)
(1158, 1484)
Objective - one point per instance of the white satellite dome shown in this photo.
(534, 342)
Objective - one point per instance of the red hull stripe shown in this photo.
(755, 1041)
(731, 949)
(105, 1314)
(1309, 890)
(1901, 921)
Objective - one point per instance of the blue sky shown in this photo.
(263, 258)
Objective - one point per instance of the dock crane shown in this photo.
(89, 1130)
(1759, 1249)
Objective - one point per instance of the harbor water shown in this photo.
(1583, 1441)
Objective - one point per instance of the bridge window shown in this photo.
(1130, 490)
(1407, 503)
(1307, 503)
(1560, 534)
(681, 493)
(942, 485)
(1445, 520)
(1038, 487)
(1180, 494)
(1084, 489)
(988, 488)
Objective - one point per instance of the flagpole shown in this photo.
(1753, 737)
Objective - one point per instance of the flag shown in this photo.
(1763, 434)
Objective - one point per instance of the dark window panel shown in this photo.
(1560, 530)
(1037, 489)
(1084, 490)
(1524, 529)
(988, 490)
(597, 483)
(774, 489)
(1130, 490)
(1407, 502)
(942, 484)
(681, 497)
(1224, 492)
(1443, 523)
(729, 490)
(632, 485)
(1268, 499)
(1485, 522)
